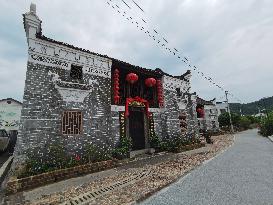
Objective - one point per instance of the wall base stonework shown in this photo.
(17, 185)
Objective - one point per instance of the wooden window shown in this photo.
(76, 72)
(72, 123)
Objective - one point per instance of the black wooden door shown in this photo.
(136, 129)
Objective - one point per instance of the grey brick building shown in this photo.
(209, 120)
(80, 97)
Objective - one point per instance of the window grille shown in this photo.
(72, 123)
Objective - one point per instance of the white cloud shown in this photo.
(229, 40)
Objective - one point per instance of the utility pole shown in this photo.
(230, 120)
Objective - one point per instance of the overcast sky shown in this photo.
(228, 40)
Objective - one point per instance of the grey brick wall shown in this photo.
(43, 107)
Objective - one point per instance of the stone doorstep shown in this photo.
(142, 151)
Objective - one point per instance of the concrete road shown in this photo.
(241, 175)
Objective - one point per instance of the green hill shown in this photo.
(253, 107)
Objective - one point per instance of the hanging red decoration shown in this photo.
(137, 99)
(159, 93)
(116, 87)
(201, 112)
(150, 82)
(132, 78)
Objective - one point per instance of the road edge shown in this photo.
(5, 167)
(186, 174)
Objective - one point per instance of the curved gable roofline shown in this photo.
(205, 102)
(156, 71)
(11, 100)
(181, 77)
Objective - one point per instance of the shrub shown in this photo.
(224, 119)
(155, 142)
(55, 156)
(176, 143)
(48, 158)
(123, 149)
(266, 125)
(244, 123)
(93, 153)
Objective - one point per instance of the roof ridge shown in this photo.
(157, 71)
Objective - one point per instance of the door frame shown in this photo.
(145, 125)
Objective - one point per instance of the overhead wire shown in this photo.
(158, 38)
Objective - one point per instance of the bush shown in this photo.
(55, 156)
(123, 149)
(175, 144)
(253, 119)
(155, 142)
(93, 153)
(224, 119)
(244, 123)
(239, 122)
(266, 125)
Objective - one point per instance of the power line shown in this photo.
(138, 6)
(155, 38)
(126, 4)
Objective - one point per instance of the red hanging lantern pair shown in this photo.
(150, 82)
(131, 78)
(116, 87)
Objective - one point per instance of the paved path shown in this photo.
(243, 175)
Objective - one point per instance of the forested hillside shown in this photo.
(253, 107)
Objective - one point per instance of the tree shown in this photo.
(253, 119)
(244, 122)
(266, 125)
(224, 119)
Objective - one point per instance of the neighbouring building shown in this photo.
(207, 114)
(80, 97)
(10, 112)
(222, 107)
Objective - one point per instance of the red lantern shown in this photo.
(200, 112)
(116, 87)
(132, 78)
(150, 82)
(159, 93)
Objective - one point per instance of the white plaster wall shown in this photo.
(221, 106)
(10, 115)
(171, 83)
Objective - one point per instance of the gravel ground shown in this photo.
(241, 176)
(162, 174)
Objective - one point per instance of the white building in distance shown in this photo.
(10, 113)
(221, 107)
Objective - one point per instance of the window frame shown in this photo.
(76, 67)
(81, 126)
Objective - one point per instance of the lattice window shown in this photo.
(76, 72)
(72, 123)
